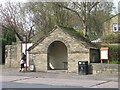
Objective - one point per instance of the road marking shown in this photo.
(22, 79)
(100, 83)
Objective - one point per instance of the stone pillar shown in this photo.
(1, 50)
(13, 55)
(19, 54)
(7, 56)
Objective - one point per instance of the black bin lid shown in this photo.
(82, 62)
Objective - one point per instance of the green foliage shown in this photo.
(111, 38)
(114, 62)
(8, 36)
(47, 15)
(114, 51)
(81, 33)
(75, 33)
(70, 30)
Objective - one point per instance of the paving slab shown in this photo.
(13, 78)
(107, 85)
(61, 78)
(68, 82)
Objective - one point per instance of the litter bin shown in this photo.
(83, 67)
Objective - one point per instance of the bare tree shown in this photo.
(84, 10)
(17, 18)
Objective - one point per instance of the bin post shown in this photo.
(32, 68)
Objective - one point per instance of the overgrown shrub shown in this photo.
(111, 38)
(114, 51)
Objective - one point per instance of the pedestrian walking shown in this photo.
(22, 62)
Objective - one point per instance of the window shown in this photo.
(119, 28)
(115, 27)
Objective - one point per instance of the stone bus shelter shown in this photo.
(60, 49)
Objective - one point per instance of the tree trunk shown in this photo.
(85, 29)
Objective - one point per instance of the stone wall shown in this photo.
(75, 49)
(108, 25)
(1, 50)
(98, 68)
(12, 55)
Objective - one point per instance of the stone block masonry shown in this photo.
(99, 68)
(12, 55)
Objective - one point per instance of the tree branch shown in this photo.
(95, 4)
(29, 35)
(70, 10)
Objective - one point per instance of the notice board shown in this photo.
(104, 54)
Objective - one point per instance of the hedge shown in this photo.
(114, 51)
(111, 38)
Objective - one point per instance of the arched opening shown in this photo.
(57, 57)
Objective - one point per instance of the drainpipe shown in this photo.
(26, 49)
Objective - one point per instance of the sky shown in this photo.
(114, 1)
(2, 1)
(116, 5)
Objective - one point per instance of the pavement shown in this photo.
(57, 78)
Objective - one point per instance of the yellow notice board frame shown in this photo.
(104, 54)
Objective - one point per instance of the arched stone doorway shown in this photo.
(57, 57)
